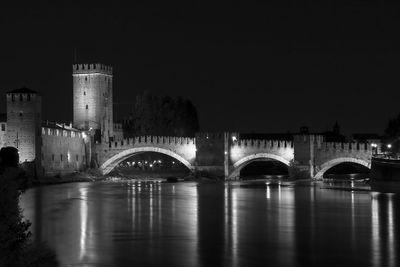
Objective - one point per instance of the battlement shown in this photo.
(152, 141)
(243, 143)
(60, 129)
(336, 146)
(91, 69)
(216, 135)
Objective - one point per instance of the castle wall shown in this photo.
(63, 151)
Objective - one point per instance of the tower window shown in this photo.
(12, 97)
(20, 113)
(61, 157)
(20, 97)
(87, 107)
(52, 157)
(84, 93)
(29, 97)
(85, 79)
(3, 127)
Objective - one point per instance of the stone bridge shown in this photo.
(225, 154)
(181, 148)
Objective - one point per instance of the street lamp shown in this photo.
(374, 148)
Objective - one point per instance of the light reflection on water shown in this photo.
(189, 224)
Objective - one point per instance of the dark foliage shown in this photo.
(16, 248)
(392, 134)
(164, 116)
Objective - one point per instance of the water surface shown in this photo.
(231, 224)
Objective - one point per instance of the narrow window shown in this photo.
(12, 97)
(85, 79)
(87, 107)
(3, 127)
(52, 157)
(84, 92)
(77, 157)
(20, 113)
(29, 97)
(61, 157)
(20, 97)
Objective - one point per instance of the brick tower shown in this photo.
(24, 118)
(92, 99)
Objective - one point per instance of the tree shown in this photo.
(392, 134)
(156, 115)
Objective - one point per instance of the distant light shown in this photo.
(173, 162)
(159, 161)
(234, 138)
(374, 145)
(389, 145)
(226, 153)
(151, 165)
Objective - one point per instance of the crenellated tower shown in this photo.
(24, 118)
(93, 99)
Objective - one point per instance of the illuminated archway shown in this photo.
(112, 162)
(327, 165)
(240, 164)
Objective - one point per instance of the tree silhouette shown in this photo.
(161, 115)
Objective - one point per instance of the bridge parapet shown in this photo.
(152, 141)
(267, 144)
(340, 147)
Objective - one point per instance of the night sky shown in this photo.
(248, 68)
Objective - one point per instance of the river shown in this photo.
(214, 224)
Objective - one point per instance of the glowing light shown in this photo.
(226, 153)
(374, 145)
(234, 138)
(151, 165)
(389, 145)
(159, 161)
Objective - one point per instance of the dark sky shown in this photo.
(251, 68)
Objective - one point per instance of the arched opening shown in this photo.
(344, 168)
(259, 165)
(150, 165)
(115, 160)
(263, 168)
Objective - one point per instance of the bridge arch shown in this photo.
(329, 164)
(112, 162)
(240, 164)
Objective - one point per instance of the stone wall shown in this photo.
(63, 151)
